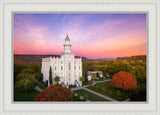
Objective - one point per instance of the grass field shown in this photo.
(107, 89)
(91, 96)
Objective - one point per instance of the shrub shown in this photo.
(118, 93)
(85, 97)
(78, 94)
(45, 83)
(97, 87)
(103, 89)
(110, 92)
(55, 93)
(124, 80)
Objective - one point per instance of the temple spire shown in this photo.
(67, 45)
(67, 37)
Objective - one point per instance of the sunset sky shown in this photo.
(91, 35)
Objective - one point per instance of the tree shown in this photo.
(25, 82)
(140, 73)
(124, 80)
(17, 69)
(55, 93)
(81, 79)
(22, 75)
(84, 73)
(112, 69)
(117, 67)
(36, 68)
(93, 78)
(27, 70)
(38, 76)
(104, 74)
(57, 79)
(97, 75)
(45, 83)
(50, 76)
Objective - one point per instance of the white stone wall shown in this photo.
(67, 67)
(60, 67)
(45, 68)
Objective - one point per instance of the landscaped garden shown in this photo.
(105, 89)
(122, 85)
(27, 77)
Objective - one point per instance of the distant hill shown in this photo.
(31, 59)
(37, 59)
(106, 59)
(132, 58)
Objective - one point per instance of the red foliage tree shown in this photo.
(55, 93)
(124, 80)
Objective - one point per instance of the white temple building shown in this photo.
(67, 67)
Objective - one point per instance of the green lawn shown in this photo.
(91, 96)
(107, 89)
(75, 98)
(103, 79)
(25, 96)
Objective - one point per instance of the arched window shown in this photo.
(69, 66)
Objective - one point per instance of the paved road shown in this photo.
(96, 93)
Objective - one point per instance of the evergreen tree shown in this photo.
(50, 76)
(104, 74)
(97, 75)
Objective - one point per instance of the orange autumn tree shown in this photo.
(55, 93)
(124, 81)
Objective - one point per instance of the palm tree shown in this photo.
(57, 79)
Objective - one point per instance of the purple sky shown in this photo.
(91, 35)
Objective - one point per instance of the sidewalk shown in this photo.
(97, 82)
(38, 89)
(96, 93)
(76, 88)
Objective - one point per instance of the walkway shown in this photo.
(96, 93)
(76, 88)
(102, 81)
(38, 89)
(97, 82)
(91, 91)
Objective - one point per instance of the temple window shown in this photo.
(69, 66)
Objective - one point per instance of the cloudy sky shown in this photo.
(91, 35)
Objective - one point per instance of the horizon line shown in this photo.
(86, 56)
